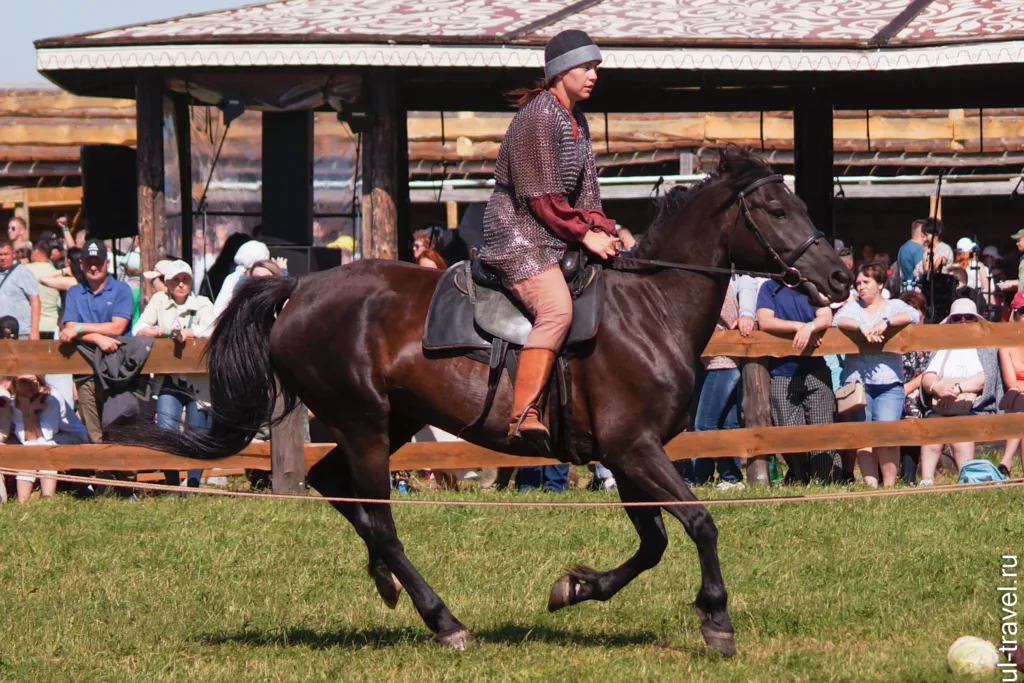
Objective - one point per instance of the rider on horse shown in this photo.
(546, 198)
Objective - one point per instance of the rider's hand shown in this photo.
(745, 325)
(628, 241)
(601, 243)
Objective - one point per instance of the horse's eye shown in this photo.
(777, 213)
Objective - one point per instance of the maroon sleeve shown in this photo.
(568, 223)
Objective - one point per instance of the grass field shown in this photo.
(229, 590)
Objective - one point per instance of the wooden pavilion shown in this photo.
(372, 61)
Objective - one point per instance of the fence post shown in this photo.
(287, 459)
(757, 412)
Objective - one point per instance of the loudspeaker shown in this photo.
(109, 196)
(305, 260)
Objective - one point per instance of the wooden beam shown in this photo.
(757, 413)
(381, 168)
(20, 357)
(983, 335)
(41, 196)
(286, 452)
(149, 96)
(747, 442)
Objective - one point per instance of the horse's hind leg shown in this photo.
(330, 477)
(366, 459)
(649, 468)
(584, 583)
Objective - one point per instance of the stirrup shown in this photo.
(539, 439)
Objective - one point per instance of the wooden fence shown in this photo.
(23, 357)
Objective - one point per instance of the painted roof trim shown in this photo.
(490, 56)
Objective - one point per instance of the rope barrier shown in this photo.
(758, 500)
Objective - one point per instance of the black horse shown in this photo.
(348, 344)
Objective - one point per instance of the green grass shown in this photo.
(229, 590)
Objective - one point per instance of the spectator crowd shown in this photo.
(69, 288)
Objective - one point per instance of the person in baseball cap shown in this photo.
(94, 249)
(158, 276)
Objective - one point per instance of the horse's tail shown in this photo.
(243, 387)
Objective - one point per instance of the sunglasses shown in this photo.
(1019, 311)
(962, 318)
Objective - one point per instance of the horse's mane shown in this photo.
(737, 168)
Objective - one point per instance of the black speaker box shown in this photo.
(305, 260)
(109, 195)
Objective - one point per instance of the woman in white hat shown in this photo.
(959, 382)
(978, 274)
(179, 314)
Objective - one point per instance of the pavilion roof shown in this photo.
(749, 35)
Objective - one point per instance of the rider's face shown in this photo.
(579, 82)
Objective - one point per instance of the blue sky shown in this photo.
(25, 22)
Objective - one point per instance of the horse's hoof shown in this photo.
(723, 641)
(561, 593)
(388, 587)
(458, 640)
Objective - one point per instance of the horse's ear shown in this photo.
(729, 158)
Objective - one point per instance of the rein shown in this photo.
(790, 275)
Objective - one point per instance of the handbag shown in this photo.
(951, 407)
(850, 398)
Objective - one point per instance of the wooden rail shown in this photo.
(51, 357)
(24, 357)
(984, 335)
(747, 442)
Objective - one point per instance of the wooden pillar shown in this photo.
(757, 412)
(183, 122)
(385, 193)
(23, 210)
(813, 157)
(149, 167)
(452, 212)
(287, 205)
(287, 460)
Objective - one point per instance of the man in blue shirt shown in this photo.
(801, 386)
(96, 313)
(911, 253)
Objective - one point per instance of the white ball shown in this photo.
(972, 656)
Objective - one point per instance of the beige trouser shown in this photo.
(547, 298)
(90, 406)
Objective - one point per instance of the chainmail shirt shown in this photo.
(538, 156)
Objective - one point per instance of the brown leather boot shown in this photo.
(531, 378)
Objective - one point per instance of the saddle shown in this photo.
(471, 314)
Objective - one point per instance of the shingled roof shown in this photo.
(748, 35)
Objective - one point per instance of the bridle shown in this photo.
(789, 276)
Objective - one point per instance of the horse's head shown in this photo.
(769, 229)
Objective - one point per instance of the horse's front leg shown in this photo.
(647, 466)
(583, 583)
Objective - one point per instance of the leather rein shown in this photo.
(790, 275)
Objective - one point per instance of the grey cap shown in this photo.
(568, 50)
